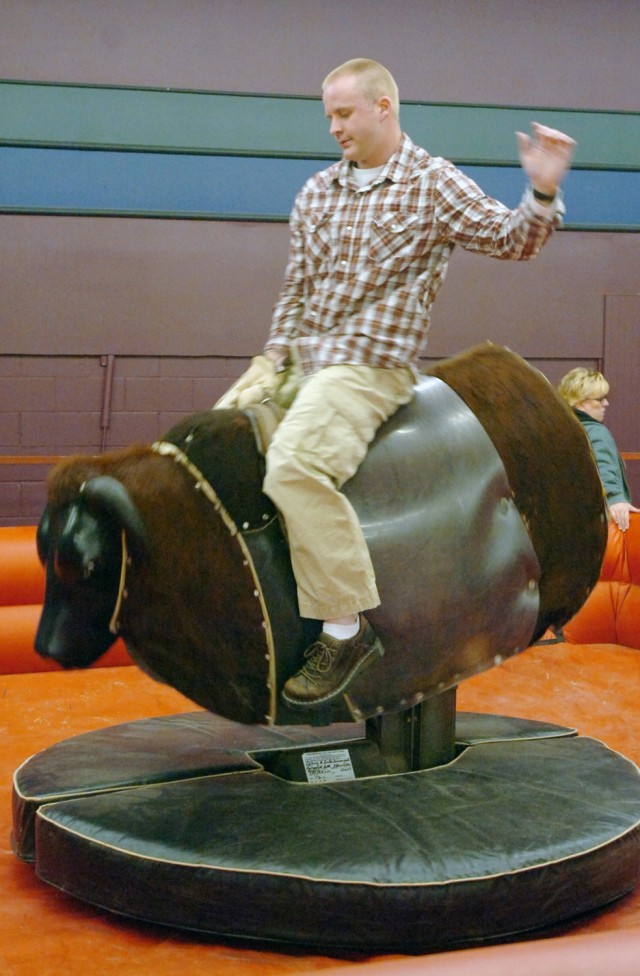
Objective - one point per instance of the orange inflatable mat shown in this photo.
(21, 575)
(21, 596)
(611, 614)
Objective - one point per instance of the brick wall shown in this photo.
(66, 405)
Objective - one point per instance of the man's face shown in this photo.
(356, 122)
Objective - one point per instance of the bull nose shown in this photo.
(42, 640)
(53, 643)
(41, 648)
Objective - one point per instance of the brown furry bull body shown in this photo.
(209, 601)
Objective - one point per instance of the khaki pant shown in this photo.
(318, 446)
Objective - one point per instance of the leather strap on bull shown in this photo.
(202, 484)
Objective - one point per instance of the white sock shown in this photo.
(342, 631)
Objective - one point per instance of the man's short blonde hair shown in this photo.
(582, 384)
(374, 79)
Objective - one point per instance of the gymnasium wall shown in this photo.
(150, 151)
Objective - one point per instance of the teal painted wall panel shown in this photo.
(215, 122)
(486, 135)
(67, 115)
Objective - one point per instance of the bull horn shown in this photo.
(110, 496)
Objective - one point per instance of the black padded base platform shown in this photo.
(529, 826)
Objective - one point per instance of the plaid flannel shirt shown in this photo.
(366, 264)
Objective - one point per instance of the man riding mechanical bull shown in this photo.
(371, 238)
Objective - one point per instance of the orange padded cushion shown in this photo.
(632, 538)
(22, 581)
(595, 622)
(18, 627)
(629, 609)
(611, 614)
(21, 575)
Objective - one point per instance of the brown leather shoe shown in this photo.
(331, 665)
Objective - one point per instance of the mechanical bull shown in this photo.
(480, 502)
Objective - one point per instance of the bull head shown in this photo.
(84, 547)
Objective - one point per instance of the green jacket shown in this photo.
(610, 464)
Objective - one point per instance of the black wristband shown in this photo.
(543, 197)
